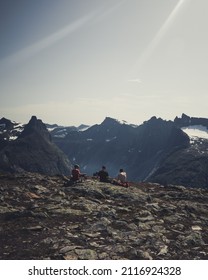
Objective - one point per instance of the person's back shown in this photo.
(103, 174)
(122, 177)
(75, 173)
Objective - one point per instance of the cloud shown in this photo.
(135, 81)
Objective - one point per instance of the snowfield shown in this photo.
(196, 131)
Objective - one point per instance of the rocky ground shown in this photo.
(43, 218)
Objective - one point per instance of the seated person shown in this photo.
(121, 179)
(121, 176)
(103, 174)
(76, 174)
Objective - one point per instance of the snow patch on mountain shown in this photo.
(83, 127)
(126, 123)
(109, 140)
(19, 127)
(196, 131)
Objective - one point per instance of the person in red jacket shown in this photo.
(76, 174)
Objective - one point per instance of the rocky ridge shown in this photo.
(186, 120)
(42, 217)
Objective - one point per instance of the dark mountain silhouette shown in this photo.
(139, 150)
(185, 121)
(188, 166)
(156, 151)
(34, 151)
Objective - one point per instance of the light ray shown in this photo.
(46, 42)
(159, 36)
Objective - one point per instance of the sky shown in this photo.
(78, 61)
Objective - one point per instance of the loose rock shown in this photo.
(41, 218)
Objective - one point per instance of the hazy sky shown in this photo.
(78, 61)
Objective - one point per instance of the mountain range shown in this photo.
(166, 152)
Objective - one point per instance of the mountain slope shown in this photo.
(189, 166)
(34, 151)
(137, 149)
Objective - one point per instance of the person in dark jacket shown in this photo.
(103, 175)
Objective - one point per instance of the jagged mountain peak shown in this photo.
(110, 121)
(154, 121)
(160, 127)
(186, 121)
(83, 127)
(5, 120)
(36, 123)
(8, 124)
(36, 126)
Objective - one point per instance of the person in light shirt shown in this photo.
(121, 179)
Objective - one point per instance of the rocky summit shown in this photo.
(43, 217)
